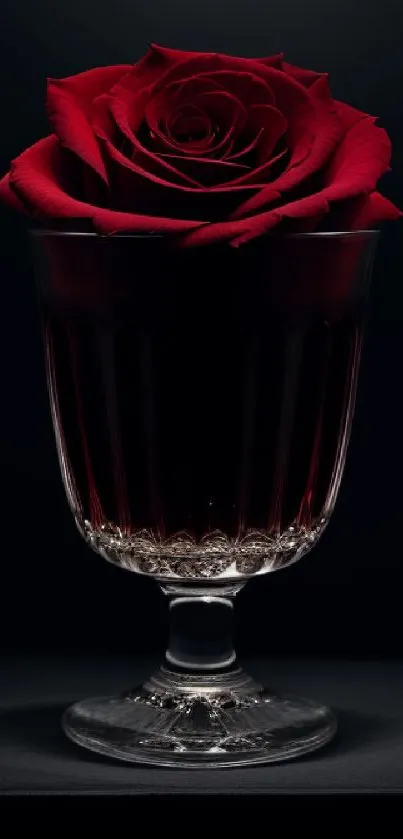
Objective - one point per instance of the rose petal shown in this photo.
(229, 117)
(83, 88)
(259, 177)
(371, 210)
(351, 180)
(175, 57)
(359, 161)
(68, 106)
(348, 116)
(145, 72)
(185, 90)
(305, 77)
(214, 150)
(74, 131)
(109, 222)
(35, 177)
(305, 127)
(302, 110)
(273, 125)
(242, 230)
(135, 104)
(206, 170)
(360, 213)
(275, 61)
(315, 206)
(246, 149)
(111, 113)
(8, 196)
(165, 144)
(249, 88)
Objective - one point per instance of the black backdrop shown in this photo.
(344, 598)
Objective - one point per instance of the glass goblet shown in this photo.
(202, 402)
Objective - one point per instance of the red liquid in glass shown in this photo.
(196, 408)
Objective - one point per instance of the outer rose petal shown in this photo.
(360, 160)
(175, 56)
(149, 69)
(8, 197)
(35, 177)
(242, 230)
(69, 106)
(108, 222)
(305, 77)
(349, 116)
(371, 210)
(85, 87)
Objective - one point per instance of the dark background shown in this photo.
(344, 598)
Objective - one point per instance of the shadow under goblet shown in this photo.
(202, 403)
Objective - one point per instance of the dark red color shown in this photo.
(205, 147)
(203, 390)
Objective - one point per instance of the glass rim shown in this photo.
(318, 234)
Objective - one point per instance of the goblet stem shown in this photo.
(201, 630)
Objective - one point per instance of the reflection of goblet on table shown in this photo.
(202, 403)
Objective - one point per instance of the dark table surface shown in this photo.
(35, 756)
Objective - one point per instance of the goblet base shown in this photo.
(212, 720)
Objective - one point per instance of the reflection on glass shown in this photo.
(202, 400)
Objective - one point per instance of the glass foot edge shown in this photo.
(200, 730)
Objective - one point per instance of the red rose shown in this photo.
(208, 146)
